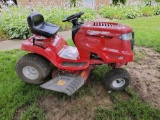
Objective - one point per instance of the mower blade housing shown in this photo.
(65, 84)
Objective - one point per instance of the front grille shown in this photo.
(105, 24)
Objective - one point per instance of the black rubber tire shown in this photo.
(41, 64)
(117, 74)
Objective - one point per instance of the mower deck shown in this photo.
(65, 84)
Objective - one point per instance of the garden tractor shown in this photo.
(96, 43)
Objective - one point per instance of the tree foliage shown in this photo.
(73, 3)
(116, 2)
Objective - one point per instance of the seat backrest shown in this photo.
(34, 19)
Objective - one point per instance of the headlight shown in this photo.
(127, 36)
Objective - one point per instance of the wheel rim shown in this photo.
(30, 72)
(118, 83)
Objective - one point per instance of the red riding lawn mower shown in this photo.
(96, 43)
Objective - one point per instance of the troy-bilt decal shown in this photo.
(93, 32)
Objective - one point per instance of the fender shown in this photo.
(49, 49)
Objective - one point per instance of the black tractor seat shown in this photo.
(39, 27)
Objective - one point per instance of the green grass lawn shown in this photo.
(147, 31)
(13, 92)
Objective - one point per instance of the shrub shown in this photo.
(157, 10)
(116, 2)
(132, 12)
(102, 9)
(113, 12)
(147, 11)
(13, 21)
(148, 2)
(119, 12)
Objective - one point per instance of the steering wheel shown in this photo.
(76, 15)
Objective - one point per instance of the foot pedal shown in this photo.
(65, 84)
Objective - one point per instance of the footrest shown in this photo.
(76, 64)
(65, 84)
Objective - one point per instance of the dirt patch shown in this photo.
(79, 108)
(145, 72)
(19, 111)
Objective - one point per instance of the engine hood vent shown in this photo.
(106, 24)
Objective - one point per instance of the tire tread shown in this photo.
(40, 61)
(116, 73)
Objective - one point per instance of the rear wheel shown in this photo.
(117, 79)
(33, 68)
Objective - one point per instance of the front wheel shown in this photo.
(117, 79)
(33, 68)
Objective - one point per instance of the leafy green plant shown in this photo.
(128, 12)
(132, 12)
(14, 24)
(148, 2)
(147, 11)
(113, 12)
(73, 2)
(116, 2)
(157, 10)
(102, 9)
